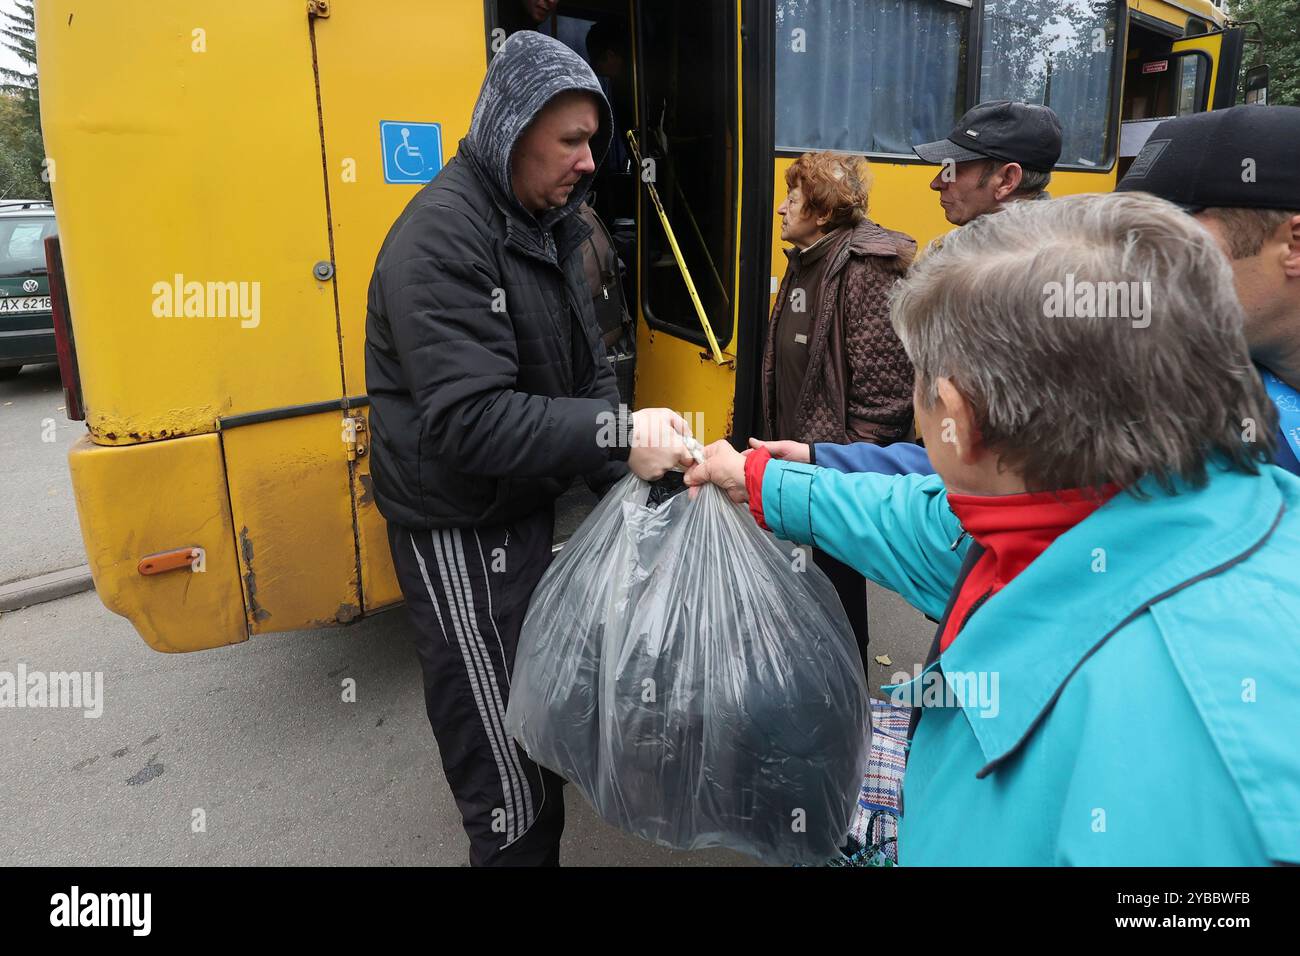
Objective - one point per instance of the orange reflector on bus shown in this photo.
(163, 561)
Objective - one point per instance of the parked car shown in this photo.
(26, 321)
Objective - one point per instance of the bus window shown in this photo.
(1062, 55)
(1176, 84)
(869, 77)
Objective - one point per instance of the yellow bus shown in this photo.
(223, 175)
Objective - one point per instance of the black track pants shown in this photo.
(466, 590)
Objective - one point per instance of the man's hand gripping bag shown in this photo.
(698, 682)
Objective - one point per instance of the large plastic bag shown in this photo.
(695, 679)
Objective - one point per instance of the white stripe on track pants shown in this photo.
(467, 590)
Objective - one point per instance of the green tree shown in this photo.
(19, 141)
(1280, 21)
(22, 148)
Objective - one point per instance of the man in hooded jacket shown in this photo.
(489, 393)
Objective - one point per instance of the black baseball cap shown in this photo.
(1246, 157)
(1023, 133)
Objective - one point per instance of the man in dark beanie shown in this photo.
(489, 393)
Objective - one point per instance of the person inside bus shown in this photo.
(615, 187)
(1096, 541)
(1237, 171)
(489, 392)
(999, 152)
(519, 15)
(833, 369)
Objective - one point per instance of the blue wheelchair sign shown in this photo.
(412, 151)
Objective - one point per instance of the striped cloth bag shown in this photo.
(873, 834)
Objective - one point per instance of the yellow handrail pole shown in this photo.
(677, 254)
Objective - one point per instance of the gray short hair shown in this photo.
(1080, 402)
(1032, 182)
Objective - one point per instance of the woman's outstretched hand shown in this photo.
(785, 450)
(722, 466)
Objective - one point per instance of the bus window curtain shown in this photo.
(1058, 54)
(868, 76)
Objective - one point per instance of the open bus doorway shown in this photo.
(670, 73)
(686, 63)
(1150, 85)
(1171, 72)
(670, 69)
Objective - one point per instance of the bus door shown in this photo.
(689, 135)
(397, 83)
(283, 443)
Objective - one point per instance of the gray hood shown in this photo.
(530, 70)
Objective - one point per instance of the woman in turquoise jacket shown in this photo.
(1116, 678)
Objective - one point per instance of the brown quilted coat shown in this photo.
(859, 381)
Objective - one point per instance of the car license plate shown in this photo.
(25, 303)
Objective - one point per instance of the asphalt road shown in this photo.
(258, 737)
(255, 740)
(40, 519)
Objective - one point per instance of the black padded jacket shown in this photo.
(488, 383)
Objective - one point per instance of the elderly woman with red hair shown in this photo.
(834, 370)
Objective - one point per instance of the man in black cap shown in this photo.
(1237, 171)
(999, 152)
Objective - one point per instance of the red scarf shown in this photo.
(1013, 530)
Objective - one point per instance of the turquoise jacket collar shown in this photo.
(1093, 580)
